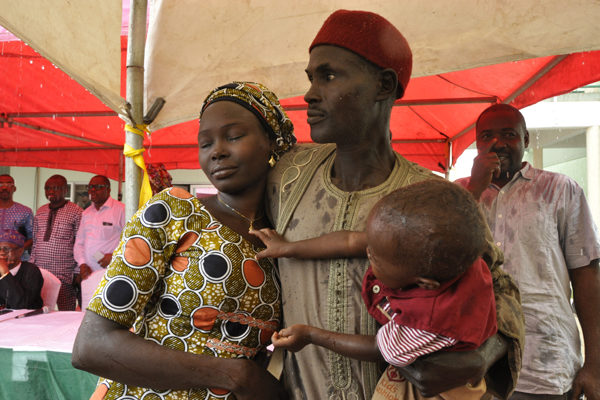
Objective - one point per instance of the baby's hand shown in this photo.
(294, 338)
(275, 243)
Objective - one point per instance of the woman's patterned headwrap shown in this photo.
(264, 104)
(159, 177)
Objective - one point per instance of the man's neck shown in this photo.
(356, 169)
(6, 203)
(57, 204)
(505, 177)
(98, 206)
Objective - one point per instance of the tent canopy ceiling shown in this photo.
(465, 57)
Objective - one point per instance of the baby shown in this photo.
(427, 284)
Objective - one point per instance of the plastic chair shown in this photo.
(88, 287)
(50, 289)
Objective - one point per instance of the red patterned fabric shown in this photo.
(463, 309)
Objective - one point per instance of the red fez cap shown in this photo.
(371, 36)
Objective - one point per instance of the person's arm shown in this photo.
(486, 165)
(331, 245)
(586, 295)
(79, 246)
(84, 271)
(105, 260)
(29, 231)
(359, 347)
(27, 244)
(107, 349)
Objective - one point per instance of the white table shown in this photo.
(35, 358)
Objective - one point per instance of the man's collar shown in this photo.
(15, 269)
(57, 206)
(526, 171)
(107, 203)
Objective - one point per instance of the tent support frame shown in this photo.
(135, 98)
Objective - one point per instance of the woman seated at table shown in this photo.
(20, 281)
(185, 277)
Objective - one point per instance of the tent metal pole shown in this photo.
(418, 102)
(135, 98)
(551, 64)
(448, 161)
(57, 133)
(120, 182)
(62, 114)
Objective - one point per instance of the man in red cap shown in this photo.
(359, 65)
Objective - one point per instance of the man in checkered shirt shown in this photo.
(54, 228)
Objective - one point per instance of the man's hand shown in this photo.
(586, 382)
(294, 338)
(586, 294)
(275, 243)
(104, 261)
(441, 371)
(485, 167)
(84, 271)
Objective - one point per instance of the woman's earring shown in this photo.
(272, 161)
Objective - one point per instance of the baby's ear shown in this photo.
(426, 283)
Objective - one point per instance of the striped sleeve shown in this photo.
(401, 345)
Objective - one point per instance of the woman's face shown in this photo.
(233, 147)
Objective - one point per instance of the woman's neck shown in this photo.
(239, 212)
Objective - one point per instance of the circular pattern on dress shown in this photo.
(204, 318)
(186, 241)
(174, 342)
(119, 294)
(137, 251)
(235, 330)
(253, 273)
(156, 214)
(180, 193)
(215, 267)
(265, 336)
(179, 263)
(169, 307)
(218, 392)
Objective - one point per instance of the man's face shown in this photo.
(55, 189)
(7, 188)
(99, 190)
(11, 253)
(341, 98)
(511, 138)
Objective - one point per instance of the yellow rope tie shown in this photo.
(138, 159)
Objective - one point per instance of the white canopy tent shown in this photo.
(193, 46)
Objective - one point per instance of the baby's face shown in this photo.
(386, 268)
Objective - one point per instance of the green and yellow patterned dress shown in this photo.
(182, 279)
